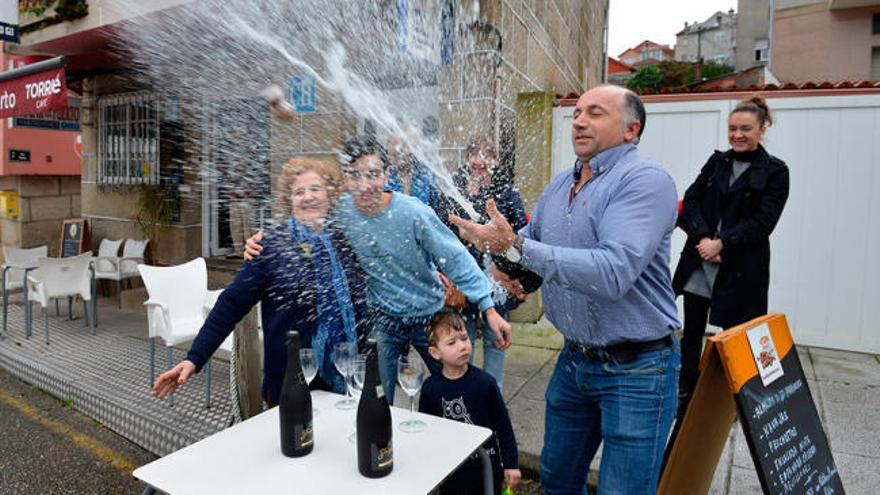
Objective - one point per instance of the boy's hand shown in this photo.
(512, 477)
(500, 326)
(252, 248)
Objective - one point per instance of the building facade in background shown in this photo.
(752, 33)
(646, 53)
(826, 40)
(712, 40)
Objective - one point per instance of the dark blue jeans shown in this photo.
(629, 406)
(394, 336)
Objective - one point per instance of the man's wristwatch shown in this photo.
(514, 252)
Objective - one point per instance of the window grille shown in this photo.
(128, 139)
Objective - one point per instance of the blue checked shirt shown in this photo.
(604, 252)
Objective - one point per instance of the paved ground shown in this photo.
(48, 447)
(844, 385)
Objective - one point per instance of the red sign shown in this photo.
(34, 94)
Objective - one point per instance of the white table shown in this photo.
(247, 458)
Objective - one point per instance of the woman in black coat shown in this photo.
(728, 213)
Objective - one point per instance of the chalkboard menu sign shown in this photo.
(74, 234)
(753, 371)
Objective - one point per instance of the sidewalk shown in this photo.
(845, 387)
(105, 377)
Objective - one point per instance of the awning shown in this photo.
(34, 89)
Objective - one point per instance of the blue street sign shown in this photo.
(302, 93)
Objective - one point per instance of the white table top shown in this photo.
(247, 458)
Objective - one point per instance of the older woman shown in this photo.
(306, 280)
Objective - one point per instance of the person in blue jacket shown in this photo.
(307, 280)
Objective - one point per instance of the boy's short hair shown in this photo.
(360, 146)
(445, 318)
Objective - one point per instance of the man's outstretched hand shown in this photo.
(494, 237)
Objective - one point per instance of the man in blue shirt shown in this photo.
(599, 237)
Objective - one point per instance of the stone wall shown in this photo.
(44, 202)
(516, 47)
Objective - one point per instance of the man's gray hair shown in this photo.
(633, 111)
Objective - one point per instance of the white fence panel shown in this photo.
(823, 275)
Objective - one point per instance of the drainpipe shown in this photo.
(605, 46)
(484, 27)
(770, 37)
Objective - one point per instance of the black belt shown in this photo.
(623, 352)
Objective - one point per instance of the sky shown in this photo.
(633, 21)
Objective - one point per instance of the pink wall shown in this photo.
(824, 45)
(52, 152)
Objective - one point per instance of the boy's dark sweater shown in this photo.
(473, 398)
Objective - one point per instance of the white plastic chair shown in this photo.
(176, 309)
(18, 263)
(109, 266)
(60, 278)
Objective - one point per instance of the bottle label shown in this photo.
(382, 456)
(301, 377)
(303, 435)
(380, 391)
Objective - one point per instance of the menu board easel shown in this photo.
(753, 371)
(74, 235)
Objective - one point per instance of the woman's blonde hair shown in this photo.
(326, 169)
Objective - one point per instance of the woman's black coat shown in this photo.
(748, 211)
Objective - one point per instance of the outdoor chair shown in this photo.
(57, 278)
(176, 309)
(109, 266)
(18, 263)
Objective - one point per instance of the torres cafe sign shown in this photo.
(33, 89)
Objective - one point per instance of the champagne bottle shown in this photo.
(295, 405)
(374, 442)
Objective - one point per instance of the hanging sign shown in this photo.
(302, 93)
(33, 94)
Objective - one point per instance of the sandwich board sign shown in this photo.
(753, 372)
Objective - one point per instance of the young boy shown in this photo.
(465, 393)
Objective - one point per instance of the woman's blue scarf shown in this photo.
(336, 322)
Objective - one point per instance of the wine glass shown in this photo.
(410, 374)
(343, 355)
(309, 365)
(356, 385)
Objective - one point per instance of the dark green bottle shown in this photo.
(295, 405)
(374, 442)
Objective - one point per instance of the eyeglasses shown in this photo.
(359, 175)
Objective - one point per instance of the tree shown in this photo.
(646, 77)
(712, 70)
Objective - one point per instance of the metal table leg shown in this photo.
(488, 477)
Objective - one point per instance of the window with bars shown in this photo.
(128, 139)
